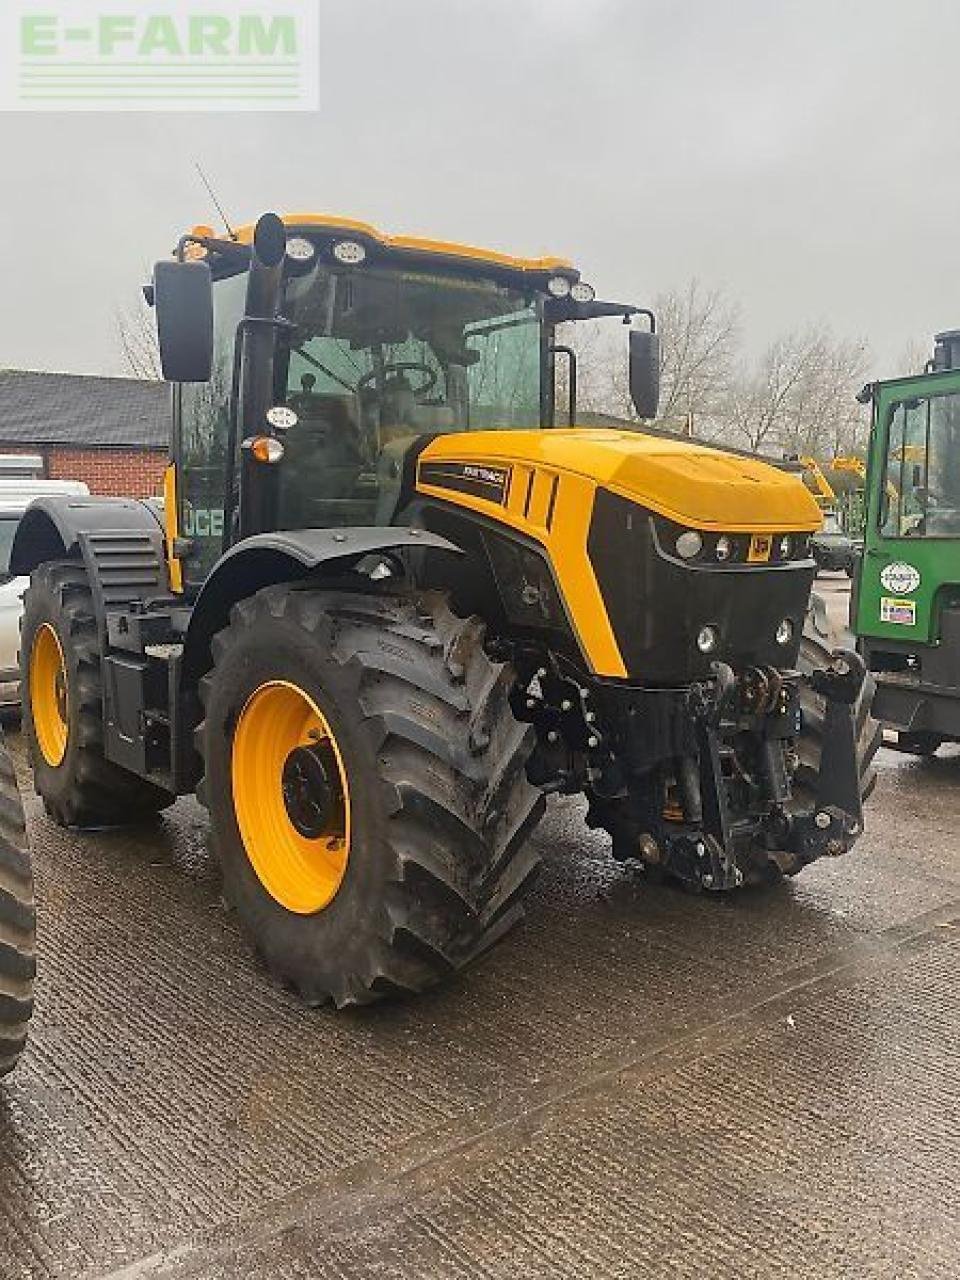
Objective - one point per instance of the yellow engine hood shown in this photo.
(690, 483)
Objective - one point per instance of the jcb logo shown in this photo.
(203, 522)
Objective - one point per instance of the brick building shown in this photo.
(112, 433)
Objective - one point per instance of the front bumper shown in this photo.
(916, 707)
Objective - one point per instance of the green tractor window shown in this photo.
(922, 481)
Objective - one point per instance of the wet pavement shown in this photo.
(636, 1083)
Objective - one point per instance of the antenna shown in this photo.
(213, 196)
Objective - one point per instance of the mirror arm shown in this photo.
(643, 311)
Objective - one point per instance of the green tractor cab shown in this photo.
(906, 603)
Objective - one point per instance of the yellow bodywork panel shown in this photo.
(551, 481)
(171, 521)
(414, 244)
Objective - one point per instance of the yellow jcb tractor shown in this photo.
(395, 597)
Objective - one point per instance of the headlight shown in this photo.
(558, 287)
(350, 252)
(784, 631)
(583, 292)
(707, 639)
(724, 548)
(689, 544)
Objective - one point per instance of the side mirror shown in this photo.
(645, 372)
(183, 298)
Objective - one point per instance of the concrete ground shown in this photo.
(637, 1083)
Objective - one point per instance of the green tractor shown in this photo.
(906, 602)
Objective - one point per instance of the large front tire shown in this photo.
(367, 789)
(62, 688)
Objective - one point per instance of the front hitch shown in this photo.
(837, 817)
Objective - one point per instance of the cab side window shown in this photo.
(204, 419)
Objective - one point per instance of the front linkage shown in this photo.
(701, 781)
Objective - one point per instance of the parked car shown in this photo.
(833, 549)
(16, 494)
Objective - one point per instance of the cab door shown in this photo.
(911, 563)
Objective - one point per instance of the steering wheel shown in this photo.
(393, 371)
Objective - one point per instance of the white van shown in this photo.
(16, 494)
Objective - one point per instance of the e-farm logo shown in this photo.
(167, 55)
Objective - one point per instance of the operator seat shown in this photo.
(322, 461)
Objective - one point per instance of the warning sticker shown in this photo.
(902, 612)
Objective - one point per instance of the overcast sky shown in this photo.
(803, 156)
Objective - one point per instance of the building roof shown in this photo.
(74, 410)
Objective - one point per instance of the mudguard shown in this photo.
(54, 528)
(281, 556)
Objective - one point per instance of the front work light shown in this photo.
(300, 249)
(349, 252)
(582, 292)
(558, 287)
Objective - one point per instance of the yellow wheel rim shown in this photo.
(48, 695)
(290, 797)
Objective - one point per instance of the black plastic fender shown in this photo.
(54, 528)
(283, 556)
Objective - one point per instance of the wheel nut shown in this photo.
(566, 705)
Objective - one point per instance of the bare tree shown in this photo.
(700, 333)
(800, 397)
(913, 358)
(137, 338)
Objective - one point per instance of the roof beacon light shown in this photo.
(558, 287)
(350, 252)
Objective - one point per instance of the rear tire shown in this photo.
(17, 921)
(434, 763)
(81, 788)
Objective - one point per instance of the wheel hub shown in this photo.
(310, 791)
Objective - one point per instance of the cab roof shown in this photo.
(451, 251)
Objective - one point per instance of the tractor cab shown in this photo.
(343, 352)
(906, 611)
